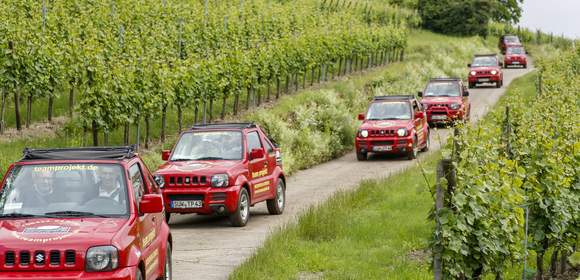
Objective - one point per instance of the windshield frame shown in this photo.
(442, 82)
(409, 106)
(242, 143)
(123, 180)
(473, 64)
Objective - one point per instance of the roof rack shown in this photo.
(490, 54)
(241, 125)
(394, 97)
(90, 153)
(445, 79)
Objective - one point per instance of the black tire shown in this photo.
(525, 66)
(139, 274)
(498, 84)
(413, 153)
(428, 142)
(168, 266)
(276, 206)
(242, 215)
(167, 217)
(360, 156)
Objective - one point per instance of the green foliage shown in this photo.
(508, 11)
(529, 160)
(461, 17)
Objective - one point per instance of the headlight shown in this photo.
(401, 132)
(219, 180)
(493, 72)
(159, 180)
(102, 258)
(472, 73)
(364, 133)
(455, 106)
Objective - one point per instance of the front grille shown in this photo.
(218, 196)
(24, 257)
(185, 181)
(186, 197)
(381, 132)
(69, 257)
(54, 257)
(383, 143)
(438, 106)
(10, 258)
(484, 72)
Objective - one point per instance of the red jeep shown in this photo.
(223, 169)
(507, 41)
(515, 56)
(87, 213)
(485, 68)
(394, 124)
(445, 100)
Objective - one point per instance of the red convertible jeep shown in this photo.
(485, 68)
(515, 56)
(445, 100)
(507, 41)
(223, 169)
(393, 124)
(87, 213)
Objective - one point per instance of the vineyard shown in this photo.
(511, 186)
(123, 62)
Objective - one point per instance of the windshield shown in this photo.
(389, 111)
(512, 39)
(515, 51)
(65, 190)
(482, 61)
(442, 89)
(209, 145)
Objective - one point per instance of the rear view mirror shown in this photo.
(165, 155)
(469, 65)
(361, 117)
(420, 94)
(466, 93)
(419, 115)
(256, 154)
(151, 203)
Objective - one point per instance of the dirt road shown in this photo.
(208, 248)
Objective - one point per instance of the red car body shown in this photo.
(381, 136)
(488, 72)
(56, 248)
(445, 109)
(515, 56)
(507, 41)
(259, 174)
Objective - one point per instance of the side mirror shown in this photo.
(151, 203)
(469, 65)
(165, 155)
(256, 153)
(361, 117)
(420, 94)
(466, 93)
(419, 115)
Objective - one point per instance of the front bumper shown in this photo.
(484, 78)
(126, 273)
(384, 145)
(515, 62)
(214, 200)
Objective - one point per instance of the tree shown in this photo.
(508, 11)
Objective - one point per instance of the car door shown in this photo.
(258, 167)
(420, 122)
(149, 224)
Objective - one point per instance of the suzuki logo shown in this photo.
(39, 258)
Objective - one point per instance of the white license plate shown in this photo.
(382, 148)
(515, 62)
(438, 117)
(186, 204)
(484, 80)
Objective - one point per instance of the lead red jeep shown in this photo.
(87, 213)
(445, 100)
(485, 68)
(223, 169)
(395, 124)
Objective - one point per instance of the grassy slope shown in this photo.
(379, 231)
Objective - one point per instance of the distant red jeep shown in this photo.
(485, 68)
(445, 100)
(394, 124)
(515, 56)
(507, 41)
(223, 169)
(88, 213)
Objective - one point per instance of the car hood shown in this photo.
(172, 167)
(485, 68)
(385, 124)
(441, 100)
(66, 232)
